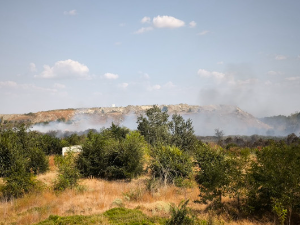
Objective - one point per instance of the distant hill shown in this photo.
(231, 119)
(283, 125)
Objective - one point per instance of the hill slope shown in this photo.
(231, 119)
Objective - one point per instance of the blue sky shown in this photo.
(71, 54)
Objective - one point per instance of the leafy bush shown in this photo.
(181, 215)
(107, 157)
(18, 181)
(19, 144)
(50, 144)
(20, 159)
(169, 163)
(68, 174)
(215, 174)
(274, 176)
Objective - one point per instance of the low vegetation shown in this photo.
(159, 174)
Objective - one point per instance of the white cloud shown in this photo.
(204, 73)
(111, 76)
(167, 22)
(9, 84)
(248, 81)
(72, 12)
(65, 69)
(153, 87)
(122, 24)
(293, 78)
(280, 57)
(220, 63)
(273, 73)
(217, 75)
(123, 85)
(32, 67)
(203, 32)
(27, 87)
(146, 20)
(60, 86)
(118, 43)
(192, 24)
(268, 83)
(143, 30)
(156, 87)
(169, 85)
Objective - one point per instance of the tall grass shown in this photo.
(97, 197)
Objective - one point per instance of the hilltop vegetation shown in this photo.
(229, 183)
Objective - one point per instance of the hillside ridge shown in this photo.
(231, 119)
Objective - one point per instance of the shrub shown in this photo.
(18, 182)
(107, 157)
(274, 176)
(20, 158)
(92, 160)
(214, 176)
(125, 158)
(68, 174)
(181, 215)
(169, 163)
(50, 144)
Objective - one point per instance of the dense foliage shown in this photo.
(275, 177)
(114, 157)
(156, 127)
(20, 159)
(169, 163)
(68, 174)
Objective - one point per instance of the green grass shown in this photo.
(69, 220)
(115, 216)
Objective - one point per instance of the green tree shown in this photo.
(20, 158)
(154, 126)
(18, 143)
(169, 163)
(92, 160)
(73, 139)
(219, 134)
(68, 174)
(275, 177)
(126, 158)
(50, 144)
(214, 176)
(182, 133)
(107, 157)
(18, 181)
(118, 132)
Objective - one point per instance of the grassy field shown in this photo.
(98, 201)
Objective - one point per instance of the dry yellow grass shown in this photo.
(98, 196)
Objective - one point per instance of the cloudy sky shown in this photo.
(71, 54)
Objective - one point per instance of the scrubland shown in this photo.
(95, 196)
(158, 174)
